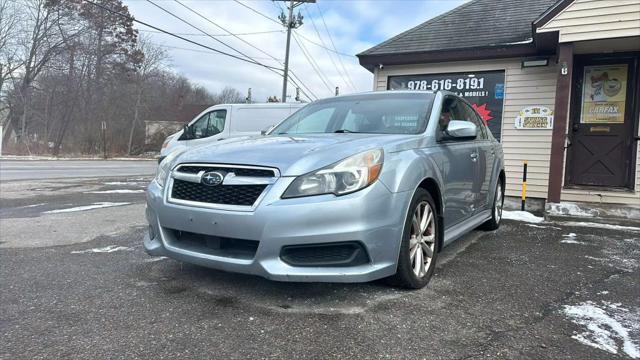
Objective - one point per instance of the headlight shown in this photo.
(351, 174)
(164, 167)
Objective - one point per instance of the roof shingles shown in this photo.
(476, 24)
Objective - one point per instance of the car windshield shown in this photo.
(401, 113)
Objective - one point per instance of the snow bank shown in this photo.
(521, 216)
(98, 205)
(607, 326)
(571, 209)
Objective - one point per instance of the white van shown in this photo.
(225, 121)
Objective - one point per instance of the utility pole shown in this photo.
(290, 22)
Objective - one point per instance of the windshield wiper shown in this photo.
(342, 131)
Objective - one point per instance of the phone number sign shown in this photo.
(483, 90)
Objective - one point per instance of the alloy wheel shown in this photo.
(422, 240)
(498, 207)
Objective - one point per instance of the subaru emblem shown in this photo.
(212, 178)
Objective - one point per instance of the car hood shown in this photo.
(295, 155)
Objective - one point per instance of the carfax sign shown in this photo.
(484, 90)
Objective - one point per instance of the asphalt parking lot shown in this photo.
(76, 283)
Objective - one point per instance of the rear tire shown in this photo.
(419, 247)
(496, 209)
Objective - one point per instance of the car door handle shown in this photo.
(474, 156)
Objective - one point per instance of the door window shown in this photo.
(209, 124)
(216, 122)
(604, 93)
(454, 109)
(475, 118)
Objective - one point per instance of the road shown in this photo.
(77, 284)
(56, 169)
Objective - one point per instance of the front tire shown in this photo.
(419, 247)
(496, 210)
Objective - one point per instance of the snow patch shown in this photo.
(607, 326)
(98, 205)
(116, 191)
(571, 209)
(525, 41)
(521, 216)
(570, 238)
(543, 227)
(106, 249)
(601, 226)
(154, 259)
(133, 183)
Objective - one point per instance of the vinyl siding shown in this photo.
(596, 19)
(523, 87)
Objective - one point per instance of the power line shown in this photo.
(197, 28)
(247, 43)
(324, 47)
(258, 12)
(335, 66)
(220, 41)
(178, 36)
(217, 35)
(310, 60)
(334, 45)
(270, 68)
(190, 49)
(313, 64)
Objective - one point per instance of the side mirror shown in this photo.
(266, 130)
(461, 130)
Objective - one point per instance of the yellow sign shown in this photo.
(604, 93)
(535, 117)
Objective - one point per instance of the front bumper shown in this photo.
(373, 217)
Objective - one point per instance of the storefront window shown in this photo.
(483, 90)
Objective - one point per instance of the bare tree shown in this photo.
(9, 60)
(153, 59)
(229, 95)
(37, 44)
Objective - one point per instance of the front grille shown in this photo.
(329, 255)
(239, 171)
(243, 195)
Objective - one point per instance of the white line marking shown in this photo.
(117, 191)
(106, 249)
(98, 205)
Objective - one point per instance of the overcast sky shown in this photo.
(355, 25)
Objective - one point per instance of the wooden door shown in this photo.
(602, 129)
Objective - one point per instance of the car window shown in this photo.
(399, 113)
(453, 109)
(475, 118)
(315, 122)
(209, 124)
(199, 128)
(216, 122)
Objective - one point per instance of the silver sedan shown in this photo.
(348, 189)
